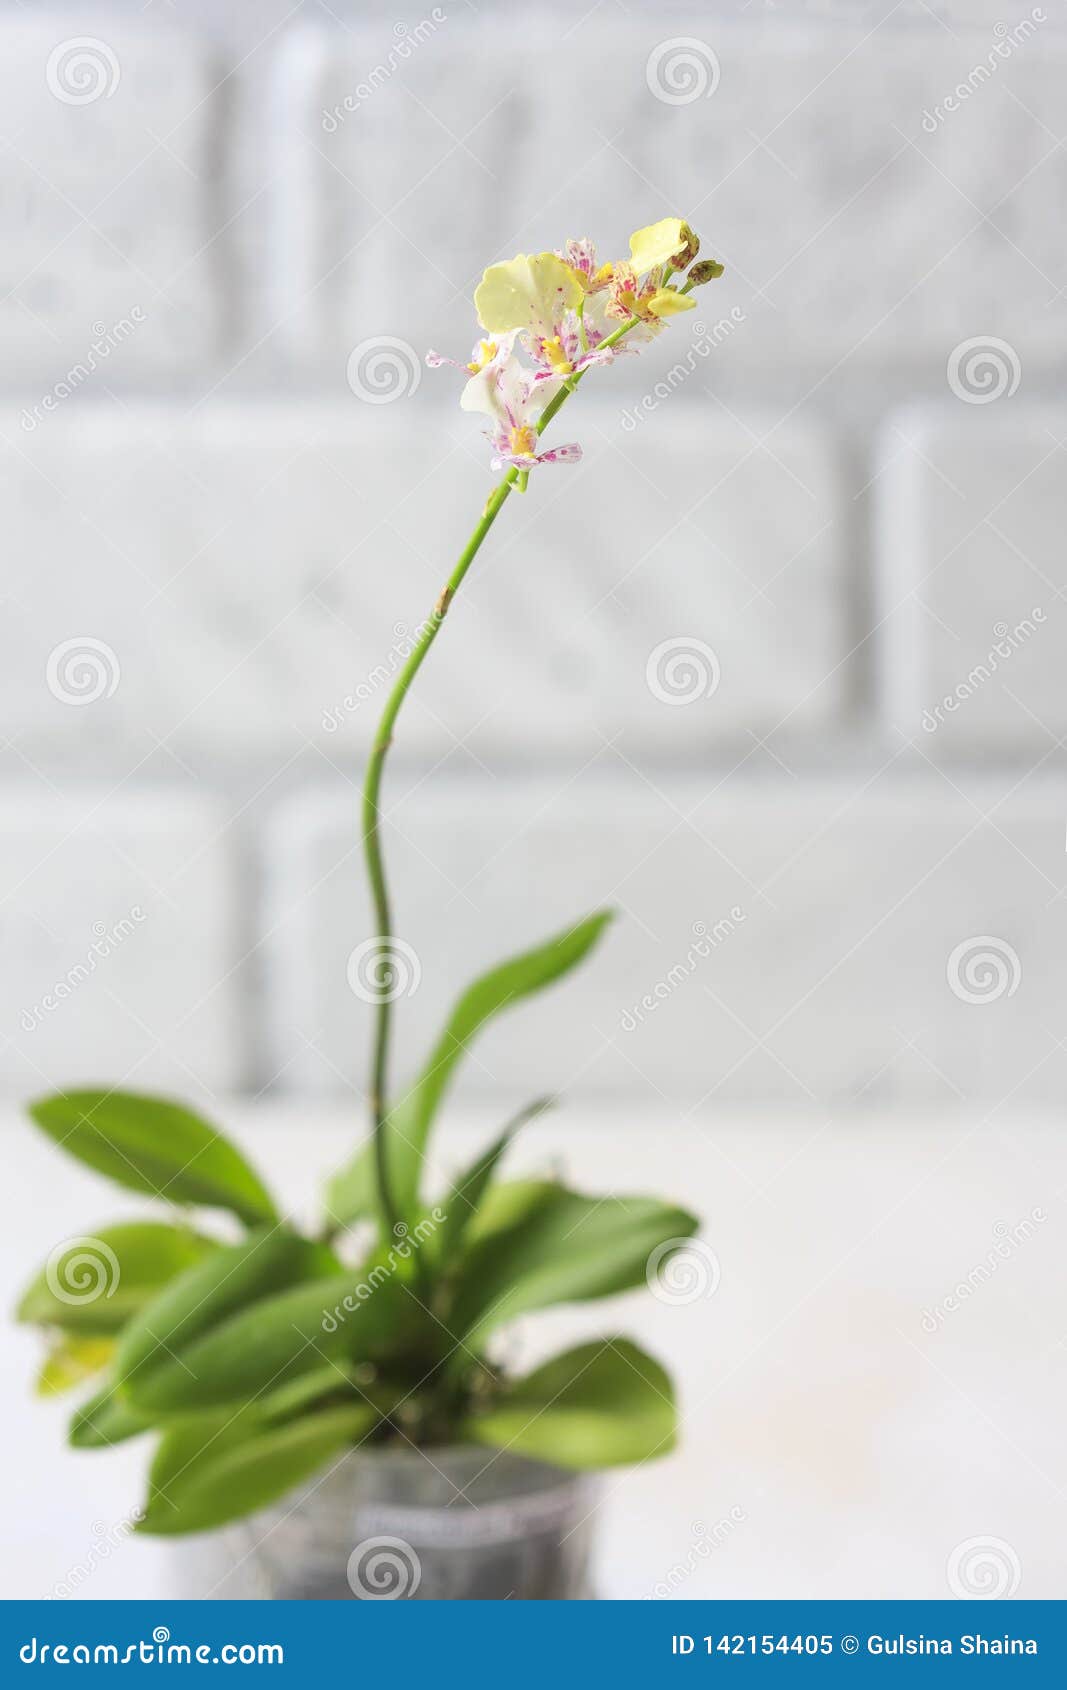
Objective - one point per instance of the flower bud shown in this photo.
(687, 252)
(708, 271)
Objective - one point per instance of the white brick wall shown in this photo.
(254, 567)
(972, 575)
(844, 511)
(109, 156)
(118, 923)
(834, 910)
(860, 218)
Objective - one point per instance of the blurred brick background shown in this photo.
(703, 677)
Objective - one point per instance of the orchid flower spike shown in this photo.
(566, 312)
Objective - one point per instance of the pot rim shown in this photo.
(438, 1454)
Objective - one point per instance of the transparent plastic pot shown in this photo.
(457, 1524)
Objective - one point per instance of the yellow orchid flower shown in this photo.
(670, 241)
(528, 293)
(668, 302)
(646, 300)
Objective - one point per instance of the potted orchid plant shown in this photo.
(337, 1398)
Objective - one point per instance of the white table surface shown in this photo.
(849, 1447)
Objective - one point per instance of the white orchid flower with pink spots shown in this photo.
(513, 400)
(486, 354)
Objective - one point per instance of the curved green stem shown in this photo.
(372, 844)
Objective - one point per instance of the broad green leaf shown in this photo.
(71, 1361)
(565, 1249)
(463, 1202)
(218, 1467)
(507, 1204)
(104, 1420)
(277, 1340)
(96, 1283)
(352, 1193)
(603, 1404)
(150, 1144)
(283, 1404)
(232, 1278)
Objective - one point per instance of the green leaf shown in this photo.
(351, 1194)
(97, 1283)
(218, 1467)
(603, 1404)
(276, 1340)
(104, 1420)
(508, 1204)
(149, 1144)
(71, 1361)
(233, 1278)
(566, 1248)
(300, 1393)
(461, 1205)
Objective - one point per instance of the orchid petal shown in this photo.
(527, 293)
(569, 454)
(668, 302)
(659, 243)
